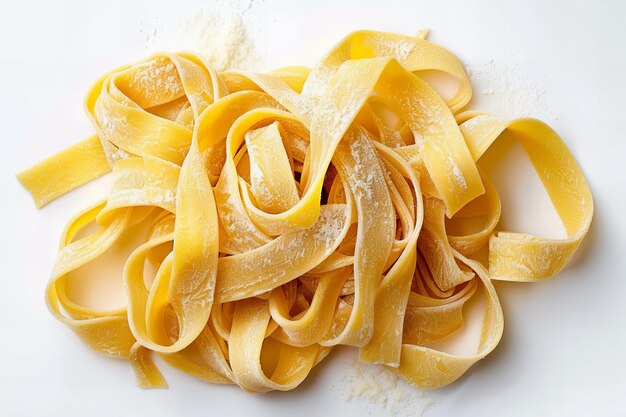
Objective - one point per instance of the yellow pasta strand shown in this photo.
(64, 171)
(296, 210)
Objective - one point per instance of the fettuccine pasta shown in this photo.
(296, 210)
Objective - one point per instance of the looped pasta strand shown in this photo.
(296, 210)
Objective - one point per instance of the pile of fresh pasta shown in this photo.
(297, 210)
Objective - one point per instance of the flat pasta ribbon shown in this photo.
(296, 210)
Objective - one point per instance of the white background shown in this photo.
(563, 348)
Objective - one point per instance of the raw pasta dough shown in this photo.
(291, 213)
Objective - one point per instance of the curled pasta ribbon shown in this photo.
(296, 210)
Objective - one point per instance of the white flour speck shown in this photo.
(458, 175)
(503, 90)
(219, 31)
(381, 388)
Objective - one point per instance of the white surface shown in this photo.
(563, 348)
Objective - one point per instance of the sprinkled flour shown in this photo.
(222, 36)
(458, 175)
(500, 88)
(379, 387)
(219, 31)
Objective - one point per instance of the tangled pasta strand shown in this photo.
(290, 213)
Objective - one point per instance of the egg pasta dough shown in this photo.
(297, 210)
